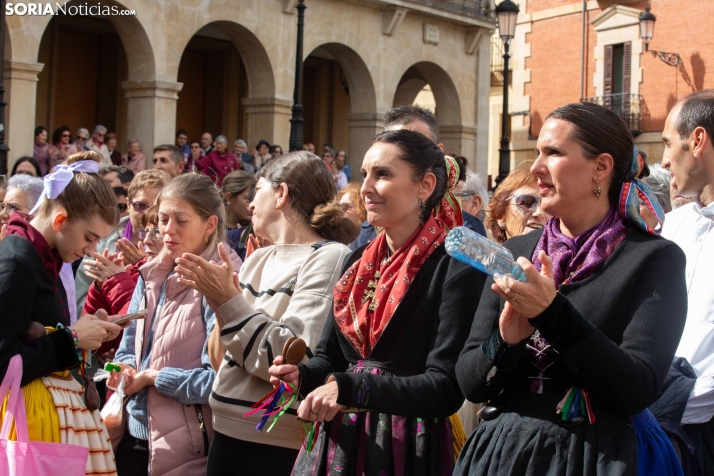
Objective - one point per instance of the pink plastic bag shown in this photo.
(25, 458)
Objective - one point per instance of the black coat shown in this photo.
(29, 293)
(419, 346)
(615, 332)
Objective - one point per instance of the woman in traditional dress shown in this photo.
(382, 383)
(76, 209)
(565, 358)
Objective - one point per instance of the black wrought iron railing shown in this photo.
(497, 55)
(469, 8)
(628, 106)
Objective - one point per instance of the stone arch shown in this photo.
(363, 98)
(448, 104)
(26, 32)
(261, 78)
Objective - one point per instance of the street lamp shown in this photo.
(297, 121)
(507, 13)
(647, 24)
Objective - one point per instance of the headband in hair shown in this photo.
(635, 192)
(448, 211)
(58, 180)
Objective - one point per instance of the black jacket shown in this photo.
(28, 293)
(419, 346)
(615, 332)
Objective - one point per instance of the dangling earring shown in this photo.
(422, 212)
(596, 191)
(206, 239)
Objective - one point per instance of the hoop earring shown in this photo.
(596, 191)
(422, 212)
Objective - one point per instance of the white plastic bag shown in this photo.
(113, 409)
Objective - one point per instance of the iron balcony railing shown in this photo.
(469, 8)
(497, 55)
(627, 106)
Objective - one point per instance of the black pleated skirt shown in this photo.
(525, 440)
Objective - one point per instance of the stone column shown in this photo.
(151, 113)
(459, 140)
(269, 119)
(363, 128)
(20, 81)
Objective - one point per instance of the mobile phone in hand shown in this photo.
(129, 317)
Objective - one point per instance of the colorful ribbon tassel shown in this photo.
(311, 438)
(576, 403)
(275, 404)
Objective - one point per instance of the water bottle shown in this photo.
(483, 254)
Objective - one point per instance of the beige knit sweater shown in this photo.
(287, 291)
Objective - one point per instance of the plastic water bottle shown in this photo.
(483, 254)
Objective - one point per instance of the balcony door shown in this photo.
(618, 64)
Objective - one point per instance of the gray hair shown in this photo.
(132, 141)
(241, 143)
(221, 139)
(31, 186)
(658, 180)
(474, 185)
(99, 129)
(83, 130)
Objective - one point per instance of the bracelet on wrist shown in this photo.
(75, 339)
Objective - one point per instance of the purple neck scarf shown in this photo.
(575, 259)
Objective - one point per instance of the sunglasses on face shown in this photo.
(153, 233)
(464, 194)
(122, 207)
(525, 202)
(66, 135)
(81, 138)
(140, 207)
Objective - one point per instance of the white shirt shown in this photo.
(692, 228)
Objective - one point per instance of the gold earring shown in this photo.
(279, 206)
(596, 191)
(206, 239)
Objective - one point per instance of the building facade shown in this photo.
(569, 50)
(227, 67)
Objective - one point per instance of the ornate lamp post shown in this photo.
(297, 121)
(647, 24)
(507, 12)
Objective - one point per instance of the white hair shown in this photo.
(99, 129)
(475, 185)
(31, 186)
(82, 130)
(241, 143)
(658, 180)
(221, 139)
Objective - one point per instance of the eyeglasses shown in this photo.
(525, 202)
(140, 207)
(66, 135)
(195, 147)
(81, 138)
(100, 134)
(10, 207)
(122, 207)
(153, 233)
(464, 194)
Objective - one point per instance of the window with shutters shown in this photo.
(618, 65)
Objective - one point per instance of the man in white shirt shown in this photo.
(689, 155)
